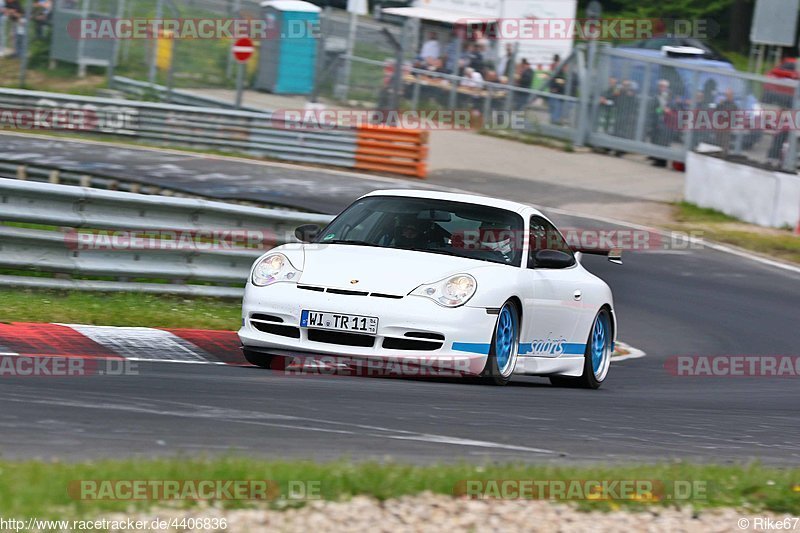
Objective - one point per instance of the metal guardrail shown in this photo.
(143, 89)
(281, 136)
(55, 247)
(208, 128)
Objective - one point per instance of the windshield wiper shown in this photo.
(354, 243)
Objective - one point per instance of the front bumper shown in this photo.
(466, 331)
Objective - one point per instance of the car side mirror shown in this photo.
(552, 259)
(307, 232)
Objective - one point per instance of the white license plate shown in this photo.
(339, 322)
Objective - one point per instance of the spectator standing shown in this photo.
(607, 105)
(726, 109)
(430, 49)
(659, 111)
(627, 105)
(558, 86)
(524, 81)
(42, 11)
(474, 79)
(475, 57)
(451, 57)
(13, 12)
(506, 63)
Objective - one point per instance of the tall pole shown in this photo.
(112, 61)
(343, 86)
(151, 76)
(26, 35)
(239, 83)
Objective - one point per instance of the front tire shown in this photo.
(597, 357)
(504, 347)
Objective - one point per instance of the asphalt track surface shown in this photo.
(202, 175)
(676, 302)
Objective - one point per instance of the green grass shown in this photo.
(33, 488)
(118, 309)
(716, 226)
(529, 138)
(688, 212)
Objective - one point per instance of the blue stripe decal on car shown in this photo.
(525, 348)
(471, 347)
(551, 348)
(574, 348)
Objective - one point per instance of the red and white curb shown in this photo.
(193, 346)
(623, 352)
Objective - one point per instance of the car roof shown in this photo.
(457, 197)
(699, 61)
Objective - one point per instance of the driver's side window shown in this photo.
(545, 236)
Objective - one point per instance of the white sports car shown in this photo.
(485, 286)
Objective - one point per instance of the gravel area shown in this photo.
(434, 513)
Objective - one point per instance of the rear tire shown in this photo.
(260, 359)
(504, 347)
(597, 357)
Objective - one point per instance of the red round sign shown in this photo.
(243, 49)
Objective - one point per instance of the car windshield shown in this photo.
(429, 225)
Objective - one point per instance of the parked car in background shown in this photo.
(659, 42)
(781, 94)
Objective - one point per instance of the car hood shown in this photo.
(383, 270)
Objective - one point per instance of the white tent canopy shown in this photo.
(438, 15)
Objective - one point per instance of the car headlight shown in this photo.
(272, 269)
(449, 292)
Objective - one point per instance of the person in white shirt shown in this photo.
(430, 49)
(474, 79)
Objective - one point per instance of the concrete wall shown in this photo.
(762, 197)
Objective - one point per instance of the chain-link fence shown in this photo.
(624, 100)
(197, 62)
(646, 103)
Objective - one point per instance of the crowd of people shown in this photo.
(619, 111)
(478, 66)
(474, 63)
(13, 15)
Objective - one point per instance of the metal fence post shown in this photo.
(151, 74)
(790, 161)
(112, 61)
(319, 63)
(688, 135)
(343, 85)
(453, 98)
(586, 89)
(644, 97)
(25, 41)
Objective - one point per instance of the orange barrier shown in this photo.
(393, 150)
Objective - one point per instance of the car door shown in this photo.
(555, 310)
